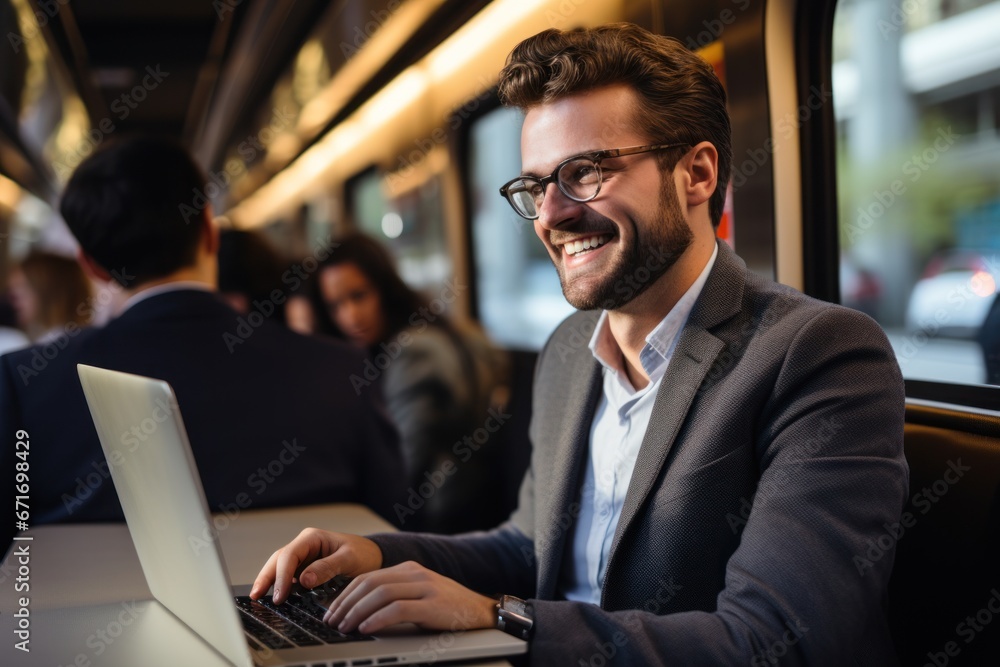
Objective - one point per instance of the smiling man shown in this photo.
(708, 473)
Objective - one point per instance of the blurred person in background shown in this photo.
(250, 270)
(11, 338)
(305, 311)
(269, 420)
(437, 382)
(50, 295)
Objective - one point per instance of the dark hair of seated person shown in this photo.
(131, 195)
(250, 270)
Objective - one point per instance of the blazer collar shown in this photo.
(558, 504)
(185, 303)
(696, 351)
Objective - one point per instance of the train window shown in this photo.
(918, 151)
(519, 298)
(410, 223)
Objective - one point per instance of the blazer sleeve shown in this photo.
(501, 560)
(804, 583)
(491, 562)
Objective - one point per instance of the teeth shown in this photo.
(576, 247)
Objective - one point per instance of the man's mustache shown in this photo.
(580, 228)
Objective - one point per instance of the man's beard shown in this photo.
(656, 246)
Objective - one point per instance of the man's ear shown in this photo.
(701, 173)
(92, 268)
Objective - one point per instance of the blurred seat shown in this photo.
(947, 564)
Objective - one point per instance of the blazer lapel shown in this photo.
(693, 357)
(557, 515)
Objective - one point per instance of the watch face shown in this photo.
(511, 603)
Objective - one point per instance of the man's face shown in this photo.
(636, 222)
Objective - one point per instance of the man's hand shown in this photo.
(409, 593)
(323, 555)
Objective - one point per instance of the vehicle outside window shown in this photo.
(917, 105)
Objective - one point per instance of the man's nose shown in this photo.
(557, 209)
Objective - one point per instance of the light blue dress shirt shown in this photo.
(615, 437)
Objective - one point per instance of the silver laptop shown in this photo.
(165, 508)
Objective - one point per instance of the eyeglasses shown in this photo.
(578, 177)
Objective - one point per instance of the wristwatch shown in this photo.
(514, 616)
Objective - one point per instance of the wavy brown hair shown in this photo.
(681, 100)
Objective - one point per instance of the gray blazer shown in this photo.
(757, 526)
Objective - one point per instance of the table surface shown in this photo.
(89, 602)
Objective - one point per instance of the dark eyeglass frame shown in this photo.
(593, 156)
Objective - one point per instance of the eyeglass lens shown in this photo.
(578, 179)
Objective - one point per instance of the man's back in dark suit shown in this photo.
(272, 419)
(272, 422)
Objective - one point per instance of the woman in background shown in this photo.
(437, 383)
(50, 295)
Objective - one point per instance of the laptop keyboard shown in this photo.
(296, 622)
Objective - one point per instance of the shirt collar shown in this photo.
(163, 289)
(660, 342)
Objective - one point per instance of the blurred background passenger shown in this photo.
(250, 269)
(305, 311)
(50, 295)
(437, 383)
(11, 338)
